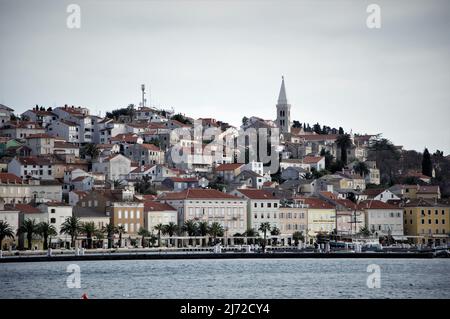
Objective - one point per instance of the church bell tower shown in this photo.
(283, 110)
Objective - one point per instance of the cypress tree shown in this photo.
(427, 166)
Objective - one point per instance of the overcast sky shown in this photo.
(224, 59)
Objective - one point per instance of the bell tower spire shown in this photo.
(283, 110)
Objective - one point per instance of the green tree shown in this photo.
(387, 157)
(361, 168)
(298, 236)
(344, 142)
(144, 233)
(215, 230)
(427, 165)
(71, 227)
(202, 228)
(89, 229)
(110, 231)
(264, 228)
(45, 230)
(90, 150)
(364, 231)
(160, 229)
(121, 230)
(5, 232)
(118, 183)
(245, 120)
(180, 118)
(275, 232)
(170, 229)
(30, 228)
(328, 158)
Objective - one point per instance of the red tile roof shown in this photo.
(10, 178)
(142, 168)
(312, 159)
(25, 208)
(150, 147)
(228, 167)
(152, 206)
(196, 193)
(128, 137)
(183, 179)
(375, 204)
(329, 195)
(314, 203)
(257, 193)
(39, 135)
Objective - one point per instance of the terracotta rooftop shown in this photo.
(375, 204)
(196, 193)
(257, 193)
(152, 206)
(228, 167)
(10, 178)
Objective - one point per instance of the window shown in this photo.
(52, 210)
(131, 214)
(275, 205)
(429, 221)
(443, 222)
(138, 215)
(119, 214)
(256, 205)
(126, 214)
(53, 220)
(423, 221)
(262, 205)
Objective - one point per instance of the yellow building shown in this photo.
(321, 216)
(427, 221)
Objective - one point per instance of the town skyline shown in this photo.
(338, 72)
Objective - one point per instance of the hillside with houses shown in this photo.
(72, 179)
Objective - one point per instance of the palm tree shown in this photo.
(297, 236)
(110, 230)
(5, 232)
(344, 142)
(144, 233)
(71, 227)
(118, 183)
(152, 239)
(170, 229)
(364, 231)
(264, 227)
(160, 229)
(45, 230)
(89, 229)
(99, 235)
(275, 232)
(121, 230)
(250, 233)
(361, 168)
(215, 229)
(29, 227)
(202, 230)
(191, 228)
(91, 150)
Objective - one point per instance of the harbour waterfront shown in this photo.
(234, 278)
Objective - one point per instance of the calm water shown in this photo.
(248, 278)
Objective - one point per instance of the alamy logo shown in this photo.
(74, 279)
(374, 19)
(74, 19)
(374, 279)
